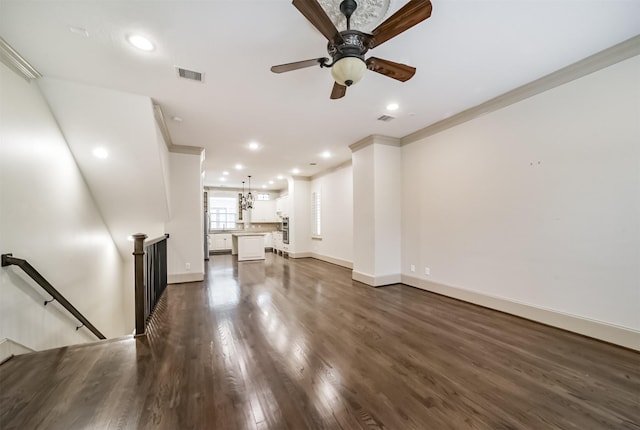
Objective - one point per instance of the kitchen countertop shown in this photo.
(242, 231)
(257, 233)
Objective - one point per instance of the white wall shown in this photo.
(377, 211)
(165, 164)
(130, 186)
(388, 209)
(537, 203)
(186, 227)
(48, 217)
(336, 191)
(364, 244)
(299, 211)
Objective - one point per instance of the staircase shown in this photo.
(81, 383)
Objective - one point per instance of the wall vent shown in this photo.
(190, 74)
(386, 118)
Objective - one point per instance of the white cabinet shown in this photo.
(248, 246)
(278, 245)
(268, 240)
(282, 206)
(221, 242)
(263, 211)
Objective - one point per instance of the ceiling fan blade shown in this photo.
(406, 17)
(400, 72)
(298, 65)
(312, 10)
(338, 91)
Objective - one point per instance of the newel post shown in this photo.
(138, 268)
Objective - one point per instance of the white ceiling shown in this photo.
(468, 52)
(129, 186)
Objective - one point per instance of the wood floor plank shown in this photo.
(296, 344)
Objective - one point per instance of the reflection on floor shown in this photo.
(296, 344)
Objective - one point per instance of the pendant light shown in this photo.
(243, 199)
(246, 200)
(250, 197)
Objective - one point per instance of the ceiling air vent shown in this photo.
(386, 118)
(190, 74)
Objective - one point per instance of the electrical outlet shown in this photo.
(187, 266)
(413, 267)
(427, 271)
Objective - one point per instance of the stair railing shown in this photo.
(150, 267)
(9, 260)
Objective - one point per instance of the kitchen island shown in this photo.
(248, 246)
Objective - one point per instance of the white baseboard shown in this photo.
(181, 278)
(376, 281)
(9, 348)
(299, 254)
(332, 260)
(618, 335)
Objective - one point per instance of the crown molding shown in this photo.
(331, 169)
(374, 138)
(183, 149)
(164, 130)
(162, 125)
(16, 62)
(608, 57)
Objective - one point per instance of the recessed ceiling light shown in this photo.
(225, 173)
(280, 177)
(140, 42)
(295, 171)
(100, 153)
(176, 118)
(238, 166)
(264, 186)
(325, 154)
(270, 182)
(254, 146)
(222, 178)
(392, 106)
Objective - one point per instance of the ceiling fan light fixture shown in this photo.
(348, 70)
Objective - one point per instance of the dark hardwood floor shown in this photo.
(296, 344)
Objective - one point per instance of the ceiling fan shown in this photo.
(347, 48)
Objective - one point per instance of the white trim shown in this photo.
(618, 335)
(16, 62)
(162, 125)
(608, 57)
(299, 254)
(181, 278)
(331, 169)
(183, 149)
(164, 130)
(374, 138)
(332, 260)
(9, 348)
(376, 281)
